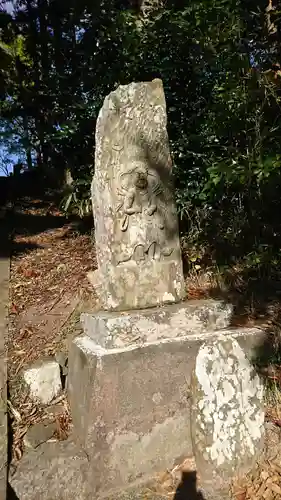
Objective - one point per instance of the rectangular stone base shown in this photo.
(111, 329)
(130, 399)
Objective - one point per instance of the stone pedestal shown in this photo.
(111, 330)
(129, 387)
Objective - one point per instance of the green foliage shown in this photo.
(219, 65)
(76, 199)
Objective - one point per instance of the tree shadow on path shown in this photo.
(187, 489)
(7, 244)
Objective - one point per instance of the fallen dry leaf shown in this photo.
(241, 495)
(13, 309)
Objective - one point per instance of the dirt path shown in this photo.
(48, 290)
(48, 282)
(4, 298)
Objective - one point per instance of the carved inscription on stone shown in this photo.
(140, 195)
(142, 215)
(136, 228)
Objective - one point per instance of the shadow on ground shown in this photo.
(256, 300)
(187, 489)
(11, 495)
(19, 248)
(5, 232)
(7, 245)
(16, 222)
(267, 358)
(29, 224)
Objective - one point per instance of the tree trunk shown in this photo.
(45, 68)
(34, 51)
(27, 141)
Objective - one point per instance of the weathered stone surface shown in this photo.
(43, 380)
(54, 471)
(109, 329)
(136, 228)
(60, 471)
(130, 406)
(127, 414)
(227, 417)
(39, 433)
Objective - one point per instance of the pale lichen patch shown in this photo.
(229, 401)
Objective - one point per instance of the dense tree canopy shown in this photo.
(219, 61)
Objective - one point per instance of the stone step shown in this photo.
(112, 330)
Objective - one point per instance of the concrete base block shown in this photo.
(131, 404)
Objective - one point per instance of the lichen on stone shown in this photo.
(229, 402)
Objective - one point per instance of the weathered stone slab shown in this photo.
(131, 406)
(227, 418)
(60, 471)
(39, 433)
(54, 471)
(110, 329)
(136, 227)
(43, 380)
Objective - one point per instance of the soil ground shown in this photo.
(51, 256)
(48, 282)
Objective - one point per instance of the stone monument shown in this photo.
(136, 228)
(129, 374)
